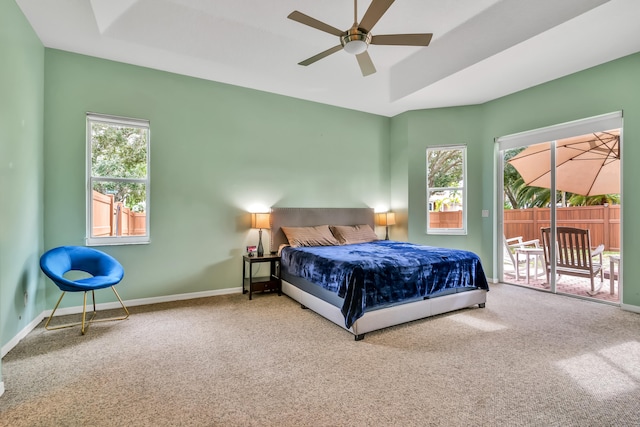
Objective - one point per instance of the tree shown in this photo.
(445, 168)
(513, 182)
(578, 200)
(119, 152)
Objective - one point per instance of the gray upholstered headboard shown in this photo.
(306, 217)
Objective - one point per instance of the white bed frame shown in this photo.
(371, 320)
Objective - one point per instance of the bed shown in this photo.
(363, 286)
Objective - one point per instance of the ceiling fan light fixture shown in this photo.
(355, 47)
(355, 41)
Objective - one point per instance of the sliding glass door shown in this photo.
(526, 209)
(559, 215)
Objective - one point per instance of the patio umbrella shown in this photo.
(588, 165)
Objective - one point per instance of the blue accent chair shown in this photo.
(104, 269)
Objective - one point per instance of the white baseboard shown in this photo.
(111, 305)
(23, 333)
(632, 308)
(145, 301)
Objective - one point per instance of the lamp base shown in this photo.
(386, 237)
(260, 249)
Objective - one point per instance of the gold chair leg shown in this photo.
(84, 311)
(46, 325)
(85, 323)
(93, 319)
(121, 303)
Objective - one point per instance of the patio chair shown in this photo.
(511, 245)
(574, 255)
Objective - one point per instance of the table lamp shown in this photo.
(260, 221)
(386, 219)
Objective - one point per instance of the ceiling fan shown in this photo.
(356, 40)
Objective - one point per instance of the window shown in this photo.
(446, 193)
(118, 180)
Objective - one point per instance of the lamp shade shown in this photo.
(260, 220)
(386, 218)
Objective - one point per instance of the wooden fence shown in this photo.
(112, 218)
(603, 223)
(445, 219)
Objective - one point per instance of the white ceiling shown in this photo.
(481, 49)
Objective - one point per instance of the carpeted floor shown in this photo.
(528, 359)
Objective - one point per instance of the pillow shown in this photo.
(350, 234)
(319, 235)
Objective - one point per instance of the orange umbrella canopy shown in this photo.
(588, 165)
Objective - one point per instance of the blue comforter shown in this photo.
(382, 273)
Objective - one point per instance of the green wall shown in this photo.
(217, 151)
(413, 132)
(399, 182)
(613, 86)
(609, 87)
(21, 175)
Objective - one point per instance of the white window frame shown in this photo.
(462, 189)
(116, 240)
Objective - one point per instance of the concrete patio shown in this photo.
(571, 285)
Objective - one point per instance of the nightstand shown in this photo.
(262, 283)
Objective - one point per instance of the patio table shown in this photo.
(537, 253)
(613, 260)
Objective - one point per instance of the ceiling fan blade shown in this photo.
(403, 39)
(312, 22)
(374, 13)
(366, 65)
(320, 55)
